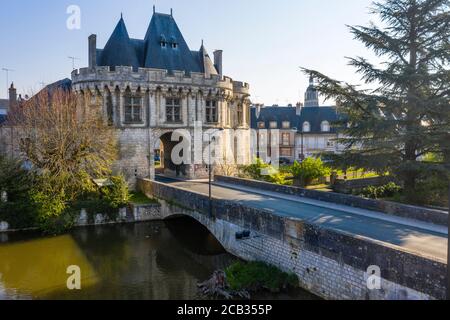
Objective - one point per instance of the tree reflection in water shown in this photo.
(152, 260)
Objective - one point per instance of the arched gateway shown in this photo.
(148, 88)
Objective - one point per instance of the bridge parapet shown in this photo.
(330, 264)
(434, 216)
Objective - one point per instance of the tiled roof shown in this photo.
(314, 115)
(121, 50)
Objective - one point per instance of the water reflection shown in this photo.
(155, 260)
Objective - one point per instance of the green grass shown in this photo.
(140, 198)
(257, 275)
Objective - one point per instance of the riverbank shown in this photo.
(132, 214)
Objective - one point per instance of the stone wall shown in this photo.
(396, 209)
(134, 154)
(135, 213)
(330, 264)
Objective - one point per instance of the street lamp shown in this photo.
(212, 138)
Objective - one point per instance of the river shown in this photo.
(145, 261)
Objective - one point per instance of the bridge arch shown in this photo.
(173, 212)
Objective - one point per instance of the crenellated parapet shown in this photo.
(147, 77)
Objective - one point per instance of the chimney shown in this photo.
(92, 51)
(218, 61)
(298, 108)
(12, 96)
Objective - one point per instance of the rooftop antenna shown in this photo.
(7, 71)
(73, 61)
(154, 9)
(121, 15)
(171, 12)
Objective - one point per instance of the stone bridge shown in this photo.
(329, 263)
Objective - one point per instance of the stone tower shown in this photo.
(311, 95)
(148, 88)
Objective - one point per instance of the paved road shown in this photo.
(414, 236)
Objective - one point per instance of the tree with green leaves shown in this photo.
(403, 113)
(308, 170)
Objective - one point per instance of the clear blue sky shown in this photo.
(264, 41)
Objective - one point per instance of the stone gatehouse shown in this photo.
(148, 88)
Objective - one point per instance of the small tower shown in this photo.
(311, 95)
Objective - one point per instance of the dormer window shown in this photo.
(306, 127)
(173, 43)
(325, 126)
(163, 41)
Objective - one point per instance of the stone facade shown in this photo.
(144, 104)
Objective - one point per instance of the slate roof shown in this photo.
(121, 50)
(278, 114)
(64, 84)
(314, 115)
(4, 103)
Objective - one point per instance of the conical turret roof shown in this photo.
(208, 65)
(165, 47)
(119, 50)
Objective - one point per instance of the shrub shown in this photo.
(264, 172)
(19, 215)
(257, 275)
(308, 170)
(54, 225)
(117, 194)
(387, 191)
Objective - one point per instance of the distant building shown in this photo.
(304, 131)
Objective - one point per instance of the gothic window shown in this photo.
(240, 114)
(133, 108)
(261, 125)
(173, 110)
(273, 125)
(306, 127)
(211, 111)
(325, 126)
